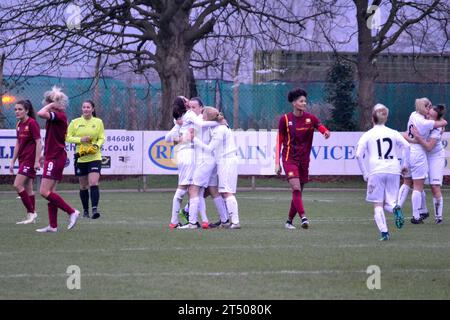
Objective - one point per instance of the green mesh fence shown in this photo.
(137, 107)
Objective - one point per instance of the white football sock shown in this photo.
(232, 209)
(402, 194)
(176, 204)
(202, 205)
(380, 219)
(193, 210)
(438, 204)
(423, 205)
(416, 200)
(221, 208)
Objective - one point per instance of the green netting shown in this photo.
(136, 106)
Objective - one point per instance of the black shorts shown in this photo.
(84, 168)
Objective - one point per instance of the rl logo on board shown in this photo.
(163, 154)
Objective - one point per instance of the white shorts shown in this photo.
(213, 179)
(227, 171)
(383, 188)
(203, 172)
(436, 162)
(418, 165)
(186, 166)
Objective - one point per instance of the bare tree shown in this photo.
(419, 22)
(2, 117)
(158, 34)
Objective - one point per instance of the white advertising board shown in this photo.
(146, 152)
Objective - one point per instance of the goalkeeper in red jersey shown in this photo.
(294, 142)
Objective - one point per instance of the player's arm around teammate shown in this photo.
(27, 151)
(419, 163)
(88, 134)
(224, 149)
(436, 159)
(185, 158)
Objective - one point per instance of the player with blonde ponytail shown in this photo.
(55, 156)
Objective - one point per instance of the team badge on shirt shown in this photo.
(290, 123)
(290, 173)
(307, 120)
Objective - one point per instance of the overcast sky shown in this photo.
(343, 31)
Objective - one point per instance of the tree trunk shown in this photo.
(366, 94)
(173, 55)
(149, 124)
(236, 94)
(132, 117)
(2, 117)
(98, 106)
(173, 84)
(367, 70)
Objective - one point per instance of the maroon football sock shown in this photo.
(26, 201)
(59, 202)
(298, 202)
(52, 215)
(33, 202)
(292, 211)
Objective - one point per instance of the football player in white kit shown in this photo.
(383, 147)
(418, 158)
(185, 157)
(185, 149)
(205, 175)
(436, 159)
(224, 149)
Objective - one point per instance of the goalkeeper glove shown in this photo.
(84, 150)
(92, 149)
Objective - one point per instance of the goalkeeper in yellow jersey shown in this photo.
(88, 133)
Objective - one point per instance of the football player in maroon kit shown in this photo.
(27, 150)
(295, 135)
(55, 155)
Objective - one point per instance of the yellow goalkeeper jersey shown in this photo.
(80, 127)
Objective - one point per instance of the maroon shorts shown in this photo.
(298, 170)
(53, 168)
(27, 169)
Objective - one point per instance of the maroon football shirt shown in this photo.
(55, 135)
(297, 135)
(27, 133)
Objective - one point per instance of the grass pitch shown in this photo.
(130, 253)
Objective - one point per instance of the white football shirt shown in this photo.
(383, 147)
